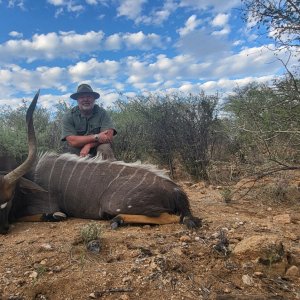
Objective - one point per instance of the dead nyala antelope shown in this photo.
(67, 185)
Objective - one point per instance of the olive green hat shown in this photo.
(84, 89)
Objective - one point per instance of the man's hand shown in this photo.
(85, 150)
(106, 136)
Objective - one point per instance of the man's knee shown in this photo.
(106, 152)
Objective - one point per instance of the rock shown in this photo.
(292, 272)
(57, 269)
(294, 256)
(127, 279)
(33, 275)
(282, 219)
(185, 238)
(94, 246)
(258, 274)
(43, 262)
(265, 250)
(247, 280)
(46, 246)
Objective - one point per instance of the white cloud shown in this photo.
(141, 41)
(17, 3)
(216, 5)
(15, 34)
(190, 25)
(69, 5)
(133, 10)
(161, 73)
(220, 20)
(130, 8)
(223, 31)
(70, 44)
(201, 44)
(114, 42)
(93, 69)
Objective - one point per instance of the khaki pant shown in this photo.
(106, 151)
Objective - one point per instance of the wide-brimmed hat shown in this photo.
(84, 89)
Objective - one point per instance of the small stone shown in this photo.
(57, 269)
(127, 279)
(292, 272)
(269, 208)
(124, 297)
(46, 247)
(43, 262)
(92, 296)
(227, 290)
(146, 226)
(247, 280)
(33, 275)
(94, 246)
(185, 238)
(258, 274)
(197, 238)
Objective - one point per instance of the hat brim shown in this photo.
(76, 95)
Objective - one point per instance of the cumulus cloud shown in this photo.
(68, 5)
(216, 5)
(133, 10)
(190, 25)
(141, 41)
(70, 45)
(200, 44)
(220, 20)
(181, 73)
(16, 34)
(93, 69)
(51, 45)
(130, 8)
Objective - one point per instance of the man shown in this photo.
(87, 128)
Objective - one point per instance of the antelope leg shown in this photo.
(164, 218)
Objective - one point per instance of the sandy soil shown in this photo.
(48, 261)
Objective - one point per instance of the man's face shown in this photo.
(86, 102)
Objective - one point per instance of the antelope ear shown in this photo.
(28, 186)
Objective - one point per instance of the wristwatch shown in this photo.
(96, 138)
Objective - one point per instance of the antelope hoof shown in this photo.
(116, 222)
(192, 222)
(54, 217)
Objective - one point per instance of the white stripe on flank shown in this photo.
(49, 183)
(144, 177)
(79, 184)
(108, 187)
(61, 173)
(67, 185)
(124, 183)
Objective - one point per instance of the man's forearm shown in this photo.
(78, 141)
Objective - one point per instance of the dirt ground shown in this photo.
(247, 248)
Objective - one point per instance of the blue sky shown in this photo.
(129, 47)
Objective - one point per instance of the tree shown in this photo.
(266, 122)
(281, 18)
